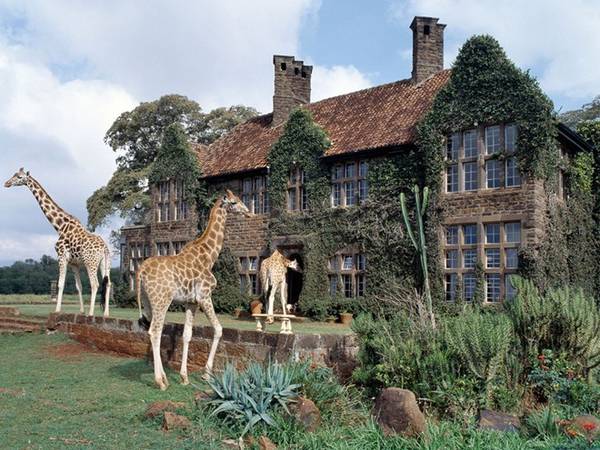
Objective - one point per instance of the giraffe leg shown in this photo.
(207, 306)
(272, 293)
(78, 286)
(92, 270)
(190, 311)
(284, 296)
(155, 333)
(62, 273)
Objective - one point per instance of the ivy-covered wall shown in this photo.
(485, 87)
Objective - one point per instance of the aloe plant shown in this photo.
(420, 245)
(251, 395)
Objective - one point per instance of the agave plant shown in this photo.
(251, 395)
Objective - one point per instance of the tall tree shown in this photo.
(589, 111)
(137, 135)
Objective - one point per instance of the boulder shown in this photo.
(306, 412)
(396, 411)
(154, 409)
(172, 421)
(499, 421)
(264, 443)
(201, 396)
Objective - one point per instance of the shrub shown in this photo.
(543, 423)
(123, 296)
(554, 380)
(562, 320)
(249, 397)
(480, 343)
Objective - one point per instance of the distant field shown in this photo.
(35, 298)
(23, 302)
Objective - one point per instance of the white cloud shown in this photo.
(217, 52)
(68, 68)
(336, 80)
(21, 246)
(559, 40)
(55, 130)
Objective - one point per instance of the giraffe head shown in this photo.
(232, 203)
(293, 264)
(18, 179)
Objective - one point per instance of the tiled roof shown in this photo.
(372, 118)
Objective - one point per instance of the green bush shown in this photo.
(251, 396)
(562, 320)
(226, 295)
(123, 296)
(480, 343)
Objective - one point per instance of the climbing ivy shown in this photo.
(372, 228)
(485, 87)
(176, 160)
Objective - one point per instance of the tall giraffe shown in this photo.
(273, 271)
(75, 247)
(185, 278)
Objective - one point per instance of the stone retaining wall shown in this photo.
(236, 346)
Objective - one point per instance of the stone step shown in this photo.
(5, 332)
(24, 320)
(24, 327)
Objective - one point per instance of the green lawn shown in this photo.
(35, 298)
(227, 321)
(55, 395)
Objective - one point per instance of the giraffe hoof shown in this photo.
(206, 376)
(185, 380)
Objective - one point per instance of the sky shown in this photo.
(68, 68)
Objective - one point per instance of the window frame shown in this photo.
(296, 189)
(248, 274)
(349, 279)
(341, 180)
(473, 149)
(255, 193)
(496, 248)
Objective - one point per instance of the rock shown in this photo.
(172, 421)
(154, 409)
(306, 412)
(396, 411)
(202, 396)
(494, 420)
(587, 425)
(264, 443)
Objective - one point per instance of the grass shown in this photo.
(55, 396)
(227, 320)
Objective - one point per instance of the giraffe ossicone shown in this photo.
(76, 247)
(185, 278)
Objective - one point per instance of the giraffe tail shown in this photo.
(105, 288)
(143, 321)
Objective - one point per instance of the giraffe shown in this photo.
(185, 278)
(272, 277)
(76, 247)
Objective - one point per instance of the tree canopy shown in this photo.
(588, 112)
(137, 134)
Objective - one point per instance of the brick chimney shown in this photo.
(292, 86)
(428, 47)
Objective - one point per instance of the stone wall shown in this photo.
(239, 347)
(526, 203)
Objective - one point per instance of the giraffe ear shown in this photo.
(28, 173)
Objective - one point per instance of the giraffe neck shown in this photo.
(54, 213)
(209, 244)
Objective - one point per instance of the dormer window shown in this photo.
(297, 199)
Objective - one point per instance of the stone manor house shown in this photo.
(494, 208)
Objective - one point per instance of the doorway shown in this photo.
(294, 282)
